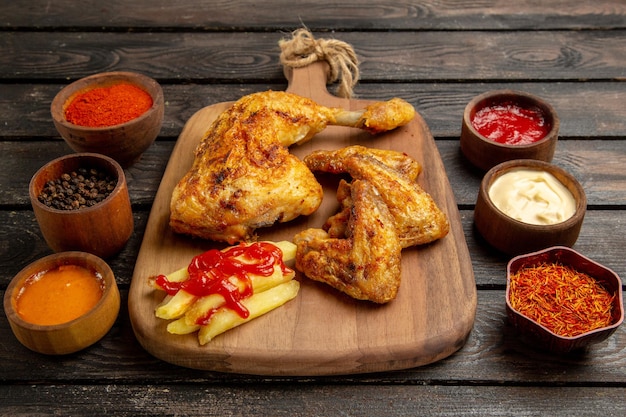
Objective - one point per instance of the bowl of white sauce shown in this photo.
(528, 205)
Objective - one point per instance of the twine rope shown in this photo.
(303, 49)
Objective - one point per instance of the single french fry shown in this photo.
(202, 306)
(288, 248)
(178, 276)
(260, 284)
(175, 306)
(258, 304)
(180, 326)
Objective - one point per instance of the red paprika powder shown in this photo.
(108, 106)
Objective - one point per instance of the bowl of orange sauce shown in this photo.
(62, 303)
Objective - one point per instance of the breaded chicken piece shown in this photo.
(243, 176)
(417, 217)
(365, 264)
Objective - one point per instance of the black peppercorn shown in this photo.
(77, 189)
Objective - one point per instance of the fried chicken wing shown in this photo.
(418, 218)
(365, 264)
(243, 176)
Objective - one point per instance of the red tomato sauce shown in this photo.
(210, 271)
(511, 124)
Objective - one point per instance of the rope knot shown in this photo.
(303, 49)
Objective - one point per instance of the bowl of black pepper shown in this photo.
(81, 203)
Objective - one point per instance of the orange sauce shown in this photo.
(59, 295)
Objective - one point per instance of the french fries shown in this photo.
(211, 314)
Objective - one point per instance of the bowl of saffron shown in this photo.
(118, 114)
(62, 303)
(562, 301)
(503, 125)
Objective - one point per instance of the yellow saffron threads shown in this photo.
(565, 301)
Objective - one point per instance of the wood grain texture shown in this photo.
(384, 56)
(493, 353)
(586, 109)
(429, 320)
(360, 14)
(601, 238)
(593, 163)
(316, 400)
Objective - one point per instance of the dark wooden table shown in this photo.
(435, 54)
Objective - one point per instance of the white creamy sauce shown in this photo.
(531, 196)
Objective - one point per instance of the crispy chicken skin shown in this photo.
(382, 211)
(417, 217)
(243, 176)
(365, 264)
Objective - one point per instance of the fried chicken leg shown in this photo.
(243, 176)
(365, 264)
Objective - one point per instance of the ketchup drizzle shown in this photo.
(210, 273)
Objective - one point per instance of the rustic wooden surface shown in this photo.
(435, 54)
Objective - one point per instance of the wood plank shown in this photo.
(596, 164)
(601, 239)
(586, 109)
(355, 15)
(493, 355)
(384, 56)
(27, 157)
(27, 244)
(311, 400)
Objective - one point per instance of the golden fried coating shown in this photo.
(418, 218)
(365, 264)
(243, 176)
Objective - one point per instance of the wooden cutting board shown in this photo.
(321, 331)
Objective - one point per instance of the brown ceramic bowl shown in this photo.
(513, 236)
(123, 142)
(485, 153)
(74, 335)
(102, 229)
(539, 335)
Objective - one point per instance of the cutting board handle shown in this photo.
(310, 81)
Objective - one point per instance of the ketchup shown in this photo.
(511, 124)
(210, 271)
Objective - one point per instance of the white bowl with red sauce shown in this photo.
(503, 125)
(62, 303)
